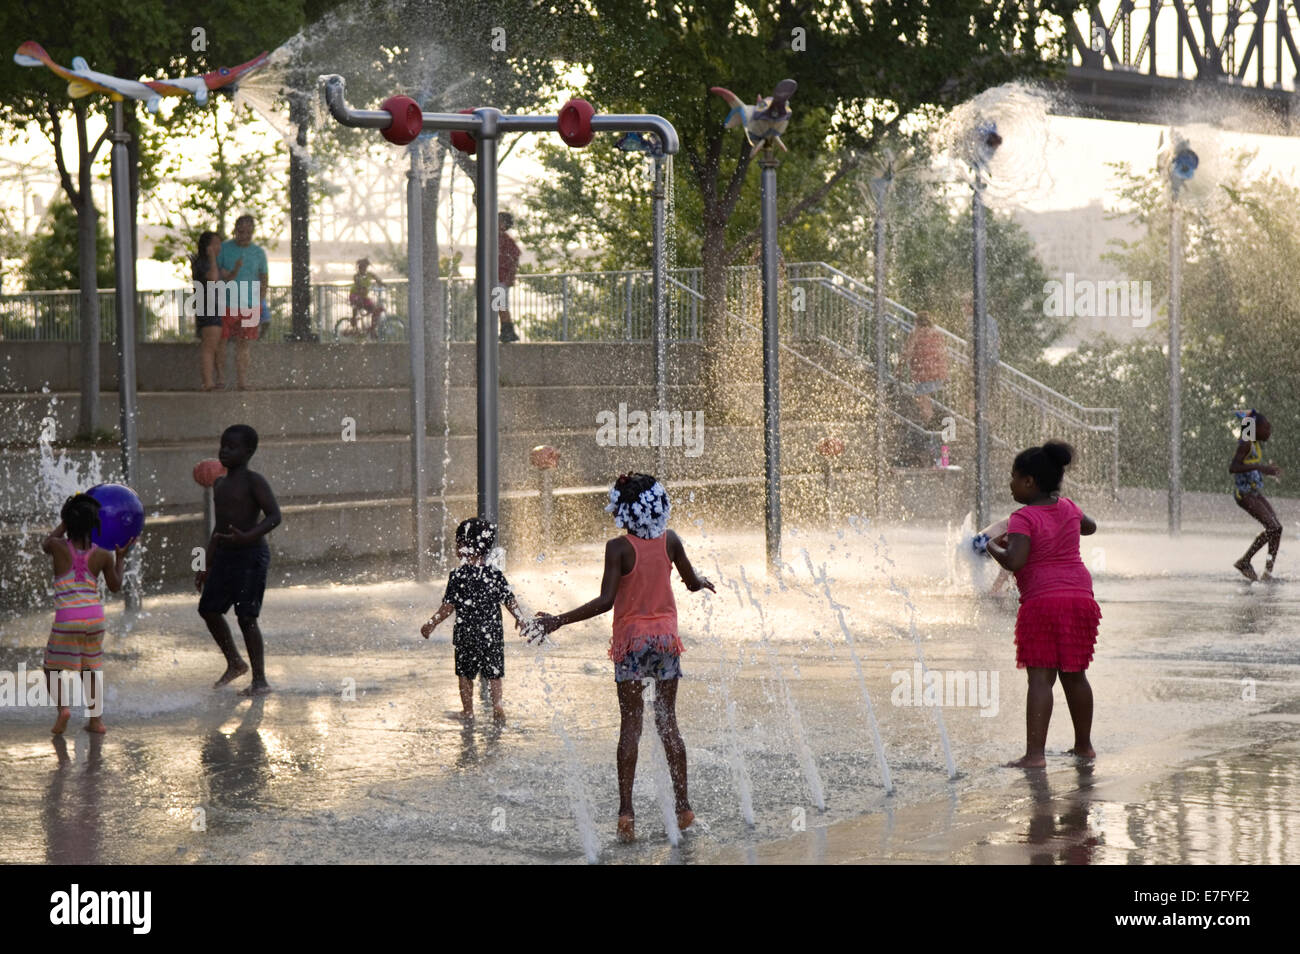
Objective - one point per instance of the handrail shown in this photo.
(944, 331)
(853, 388)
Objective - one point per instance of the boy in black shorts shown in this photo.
(238, 557)
(475, 592)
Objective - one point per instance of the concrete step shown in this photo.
(167, 417)
(180, 416)
(379, 465)
(29, 366)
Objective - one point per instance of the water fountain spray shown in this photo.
(880, 186)
(401, 120)
(802, 750)
(419, 399)
(653, 147)
(876, 742)
(763, 124)
(1181, 162)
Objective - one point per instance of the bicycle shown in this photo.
(367, 324)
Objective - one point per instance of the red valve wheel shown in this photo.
(463, 140)
(408, 121)
(575, 123)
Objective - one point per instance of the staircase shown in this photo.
(839, 320)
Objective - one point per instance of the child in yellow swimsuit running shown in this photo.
(1248, 470)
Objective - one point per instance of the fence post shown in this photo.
(627, 306)
(697, 279)
(564, 307)
(1114, 443)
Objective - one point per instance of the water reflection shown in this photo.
(236, 764)
(1061, 830)
(71, 815)
(1228, 810)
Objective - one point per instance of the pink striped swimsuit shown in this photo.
(77, 637)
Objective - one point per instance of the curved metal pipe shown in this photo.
(615, 122)
(356, 118)
(334, 93)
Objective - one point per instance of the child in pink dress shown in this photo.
(638, 587)
(1056, 628)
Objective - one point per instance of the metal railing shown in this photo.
(833, 318)
(838, 313)
(569, 306)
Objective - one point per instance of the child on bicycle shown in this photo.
(360, 298)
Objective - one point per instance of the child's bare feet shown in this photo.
(1028, 761)
(97, 726)
(61, 722)
(498, 714)
(1083, 752)
(685, 819)
(1246, 569)
(626, 829)
(467, 716)
(233, 672)
(258, 688)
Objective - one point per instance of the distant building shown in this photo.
(1071, 244)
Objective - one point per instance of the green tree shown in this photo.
(238, 181)
(52, 261)
(12, 243)
(865, 70)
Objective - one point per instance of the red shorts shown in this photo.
(239, 326)
(1057, 631)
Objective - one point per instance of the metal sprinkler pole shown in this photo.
(1175, 368)
(878, 319)
(980, 336)
(658, 289)
(419, 397)
(771, 367)
(124, 253)
(487, 355)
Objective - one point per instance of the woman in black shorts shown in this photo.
(207, 311)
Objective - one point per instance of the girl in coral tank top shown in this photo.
(645, 645)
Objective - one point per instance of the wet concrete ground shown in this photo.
(357, 757)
